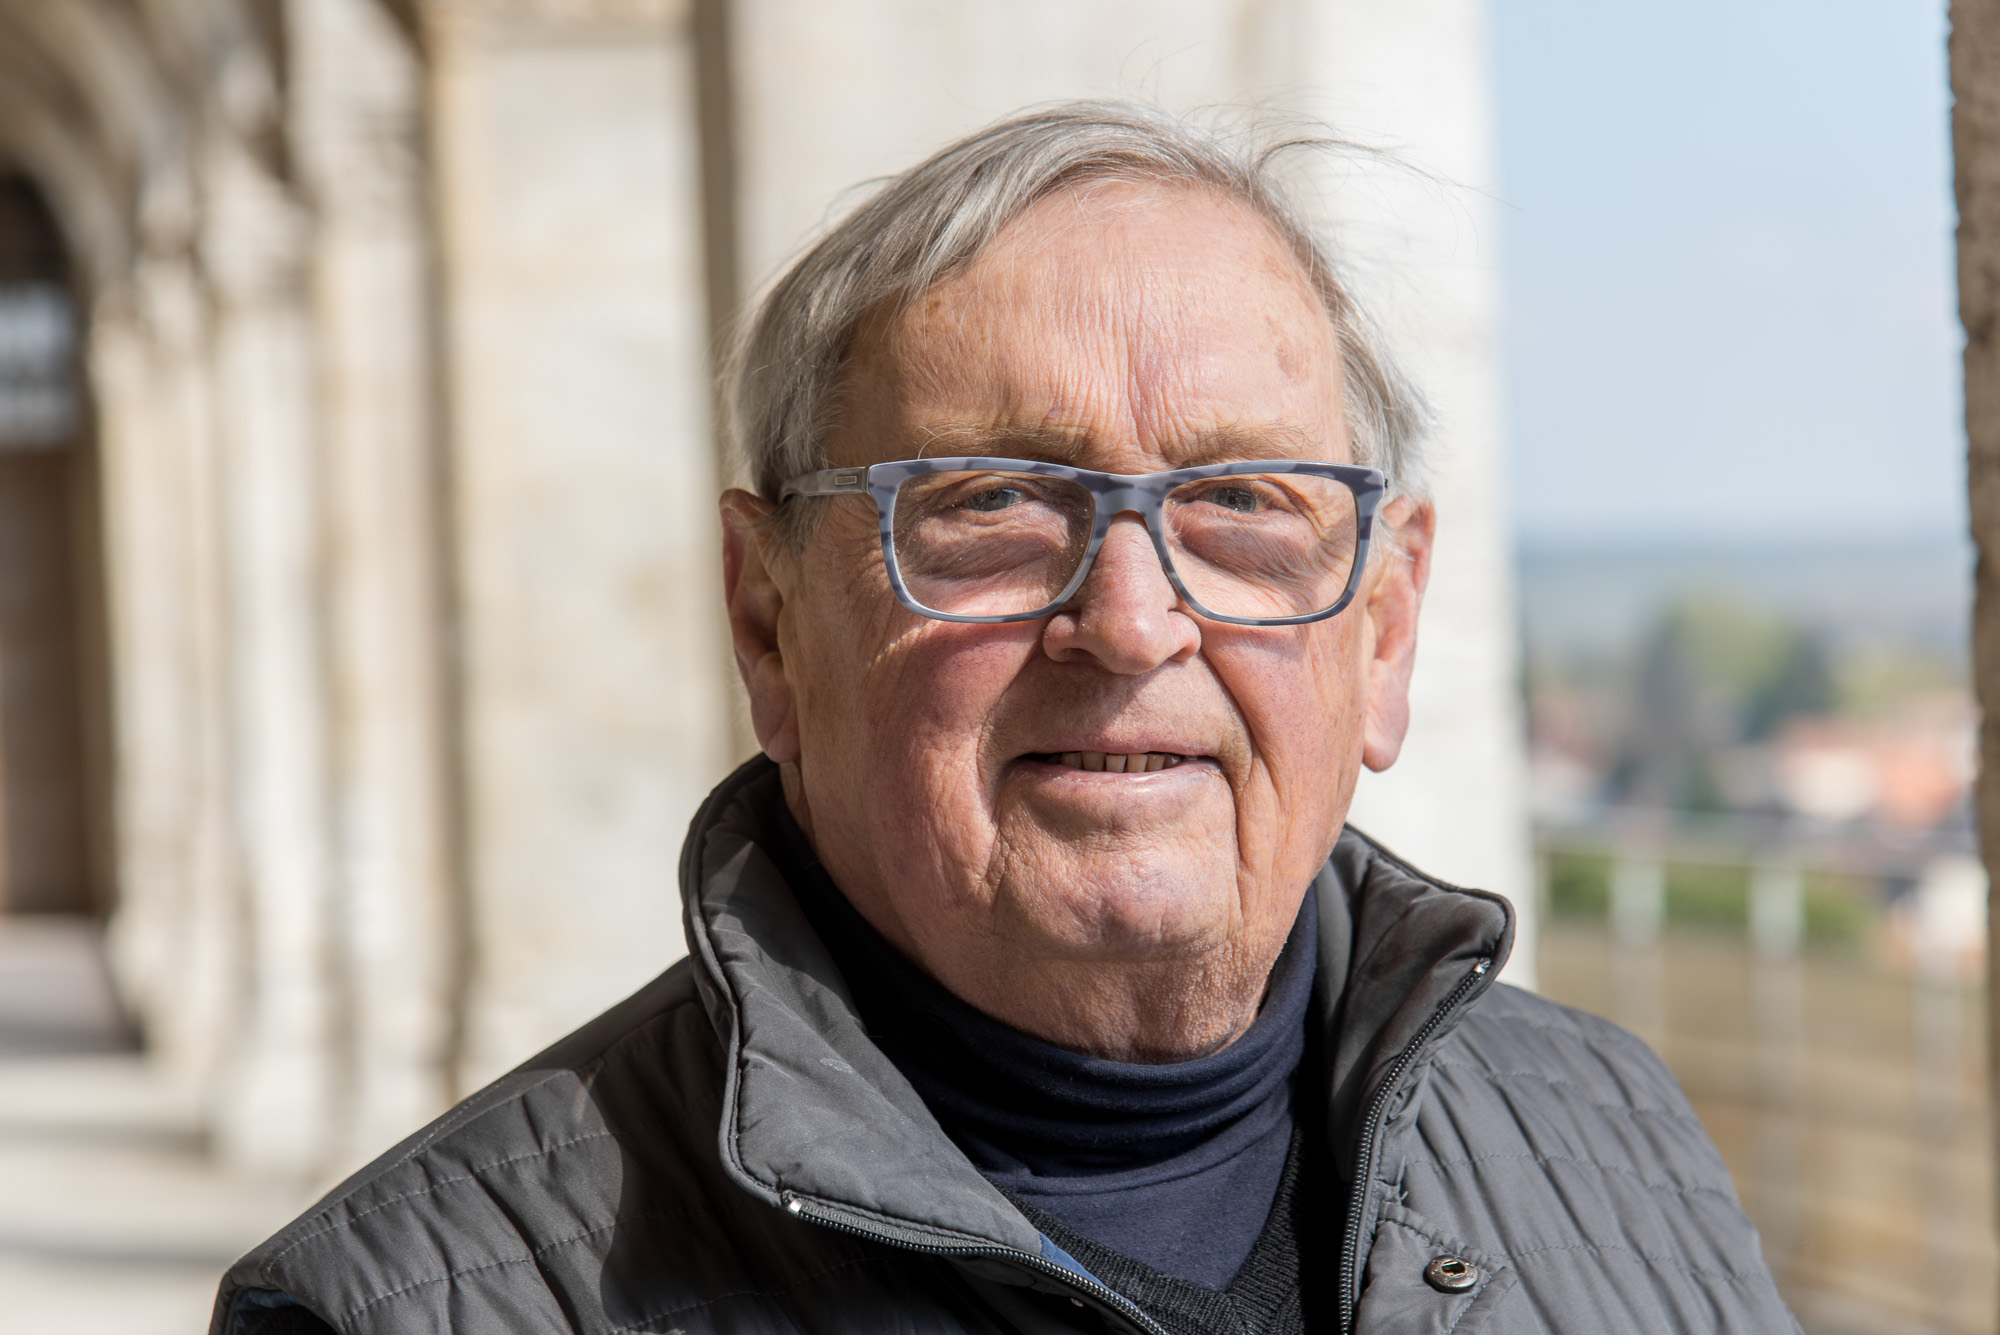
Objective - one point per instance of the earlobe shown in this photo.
(1393, 602)
(752, 593)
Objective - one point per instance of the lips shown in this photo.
(1113, 762)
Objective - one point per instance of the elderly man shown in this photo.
(1035, 984)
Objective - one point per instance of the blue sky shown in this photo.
(1729, 269)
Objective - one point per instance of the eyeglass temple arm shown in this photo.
(827, 482)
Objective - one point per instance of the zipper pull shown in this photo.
(1482, 966)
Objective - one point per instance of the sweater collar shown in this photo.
(1022, 1108)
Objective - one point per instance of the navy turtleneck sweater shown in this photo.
(1174, 1165)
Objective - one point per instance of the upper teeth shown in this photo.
(1142, 763)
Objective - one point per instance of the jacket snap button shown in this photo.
(1451, 1274)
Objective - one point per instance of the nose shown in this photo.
(1127, 615)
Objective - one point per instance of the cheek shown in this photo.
(935, 691)
(837, 618)
(1302, 698)
(914, 739)
(1303, 704)
(893, 701)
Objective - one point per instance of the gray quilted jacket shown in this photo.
(727, 1152)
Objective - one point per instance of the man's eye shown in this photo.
(1240, 499)
(994, 498)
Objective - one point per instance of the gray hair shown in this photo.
(920, 228)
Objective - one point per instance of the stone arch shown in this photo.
(54, 817)
(235, 184)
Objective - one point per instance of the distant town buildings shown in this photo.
(1725, 731)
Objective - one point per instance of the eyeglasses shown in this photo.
(1272, 542)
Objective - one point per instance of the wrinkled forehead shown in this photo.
(1112, 324)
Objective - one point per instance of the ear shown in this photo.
(1393, 600)
(756, 603)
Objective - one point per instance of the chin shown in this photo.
(1113, 915)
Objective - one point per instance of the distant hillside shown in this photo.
(1595, 598)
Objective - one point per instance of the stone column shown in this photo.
(276, 1101)
(832, 92)
(592, 697)
(176, 936)
(1413, 74)
(356, 92)
(1975, 82)
(152, 742)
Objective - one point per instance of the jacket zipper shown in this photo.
(1371, 1129)
(800, 1206)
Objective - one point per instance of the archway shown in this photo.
(51, 789)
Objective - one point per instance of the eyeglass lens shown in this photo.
(996, 543)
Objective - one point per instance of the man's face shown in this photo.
(935, 765)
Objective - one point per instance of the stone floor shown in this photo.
(111, 1217)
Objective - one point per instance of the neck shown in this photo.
(1021, 1102)
(1154, 1012)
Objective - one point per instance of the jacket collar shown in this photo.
(1395, 945)
(812, 1111)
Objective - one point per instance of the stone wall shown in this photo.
(593, 676)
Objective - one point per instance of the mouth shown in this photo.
(1112, 762)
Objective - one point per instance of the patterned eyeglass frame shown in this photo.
(1114, 494)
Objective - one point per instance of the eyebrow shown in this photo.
(1056, 445)
(1063, 445)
